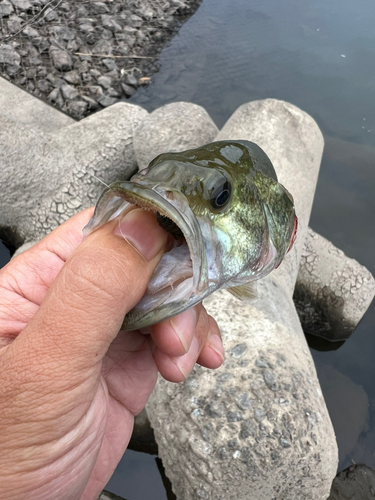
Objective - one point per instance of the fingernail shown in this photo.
(186, 362)
(184, 325)
(216, 344)
(140, 229)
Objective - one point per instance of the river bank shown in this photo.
(84, 56)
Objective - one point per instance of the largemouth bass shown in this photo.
(231, 220)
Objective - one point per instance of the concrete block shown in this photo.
(332, 291)
(46, 179)
(30, 112)
(174, 127)
(257, 428)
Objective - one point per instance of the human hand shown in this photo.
(70, 384)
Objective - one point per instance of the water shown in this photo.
(129, 478)
(319, 56)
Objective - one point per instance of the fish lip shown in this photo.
(150, 197)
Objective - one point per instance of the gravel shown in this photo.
(82, 56)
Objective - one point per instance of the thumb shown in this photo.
(101, 281)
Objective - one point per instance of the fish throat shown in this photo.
(168, 225)
(172, 280)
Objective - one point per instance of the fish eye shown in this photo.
(221, 196)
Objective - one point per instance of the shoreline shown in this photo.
(81, 57)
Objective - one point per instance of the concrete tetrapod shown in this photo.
(332, 291)
(257, 428)
(46, 179)
(48, 170)
(174, 127)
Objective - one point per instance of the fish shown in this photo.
(230, 219)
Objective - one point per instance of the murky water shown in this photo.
(320, 56)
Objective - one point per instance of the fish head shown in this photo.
(232, 222)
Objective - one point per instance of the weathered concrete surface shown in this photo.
(174, 127)
(44, 181)
(332, 291)
(355, 483)
(29, 111)
(257, 428)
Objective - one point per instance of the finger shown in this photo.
(212, 355)
(173, 336)
(25, 281)
(178, 368)
(31, 273)
(101, 281)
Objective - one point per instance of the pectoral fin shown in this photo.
(247, 292)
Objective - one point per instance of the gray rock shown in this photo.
(239, 350)
(86, 28)
(99, 8)
(21, 4)
(355, 483)
(60, 59)
(30, 32)
(8, 55)
(106, 101)
(96, 91)
(268, 438)
(270, 380)
(6, 8)
(69, 92)
(128, 89)
(102, 47)
(72, 77)
(78, 108)
(95, 72)
(54, 95)
(173, 127)
(105, 81)
(136, 21)
(14, 24)
(107, 34)
(110, 24)
(91, 102)
(130, 79)
(51, 15)
(111, 92)
(44, 85)
(63, 32)
(110, 64)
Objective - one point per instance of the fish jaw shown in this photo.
(121, 197)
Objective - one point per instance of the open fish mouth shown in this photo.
(181, 278)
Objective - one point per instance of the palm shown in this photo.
(128, 387)
(75, 384)
(121, 387)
